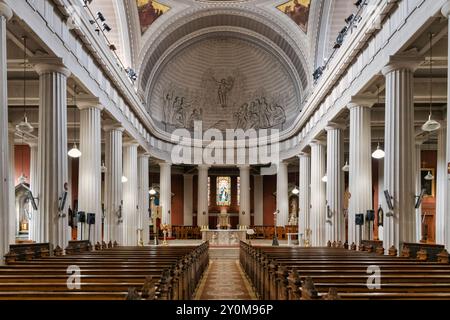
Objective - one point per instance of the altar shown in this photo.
(224, 237)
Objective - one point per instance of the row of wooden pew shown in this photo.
(115, 273)
(292, 273)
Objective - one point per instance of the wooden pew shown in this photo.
(170, 273)
(287, 273)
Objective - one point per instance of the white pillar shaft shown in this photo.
(304, 193)
(360, 175)
(335, 226)
(202, 196)
(258, 200)
(441, 187)
(52, 154)
(318, 195)
(5, 15)
(130, 195)
(282, 195)
(13, 217)
(244, 215)
(166, 193)
(188, 200)
(399, 170)
(418, 180)
(144, 198)
(89, 194)
(34, 185)
(446, 13)
(113, 186)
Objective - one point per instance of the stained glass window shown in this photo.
(223, 191)
(238, 191)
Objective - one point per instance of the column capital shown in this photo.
(113, 126)
(165, 164)
(335, 126)
(409, 60)
(446, 9)
(45, 64)
(5, 11)
(362, 101)
(244, 167)
(144, 154)
(304, 155)
(317, 142)
(87, 102)
(131, 143)
(203, 167)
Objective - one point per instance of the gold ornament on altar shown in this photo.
(165, 229)
(308, 238)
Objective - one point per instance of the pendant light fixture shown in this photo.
(124, 179)
(74, 152)
(152, 191)
(346, 167)
(24, 126)
(429, 176)
(379, 153)
(325, 179)
(431, 125)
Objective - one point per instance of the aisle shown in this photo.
(225, 280)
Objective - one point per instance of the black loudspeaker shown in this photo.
(370, 215)
(91, 218)
(359, 219)
(82, 217)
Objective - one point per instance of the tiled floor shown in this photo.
(225, 280)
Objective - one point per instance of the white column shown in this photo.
(446, 13)
(202, 196)
(113, 183)
(130, 194)
(258, 184)
(13, 223)
(244, 215)
(418, 180)
(90, 175)
(144, 197)
(34, 185)
(360, 175)
(304, 195)
(400, 225)
(52, 162)
(335, 226)
(188, 200)
(318, 193)
(282, 195)
(441, 186)
(165, 186)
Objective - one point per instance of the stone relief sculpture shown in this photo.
(225, 103)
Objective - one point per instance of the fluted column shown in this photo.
(130, 194)
(113, 227)
(282, 195)
(188, 200)
(202, 196)
(258, 183)
(244, 215)
(318, 193)
(335, 226)
(34, 185)
(13, 223)
(400, 224)
(441, 186)
(52, 162)
(446, 13)
(304, 195)
(90, 175)
(360, 175)
(418, 180)
(165, 186)
(5, 15)
(143, 197)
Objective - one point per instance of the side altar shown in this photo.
(223, 237)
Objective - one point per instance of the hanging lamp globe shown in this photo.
(379, 153)
(429, 176)
(295, 191)
(346, 167)
(74, 152)
(24, 126)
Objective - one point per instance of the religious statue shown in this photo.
(224, 87)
